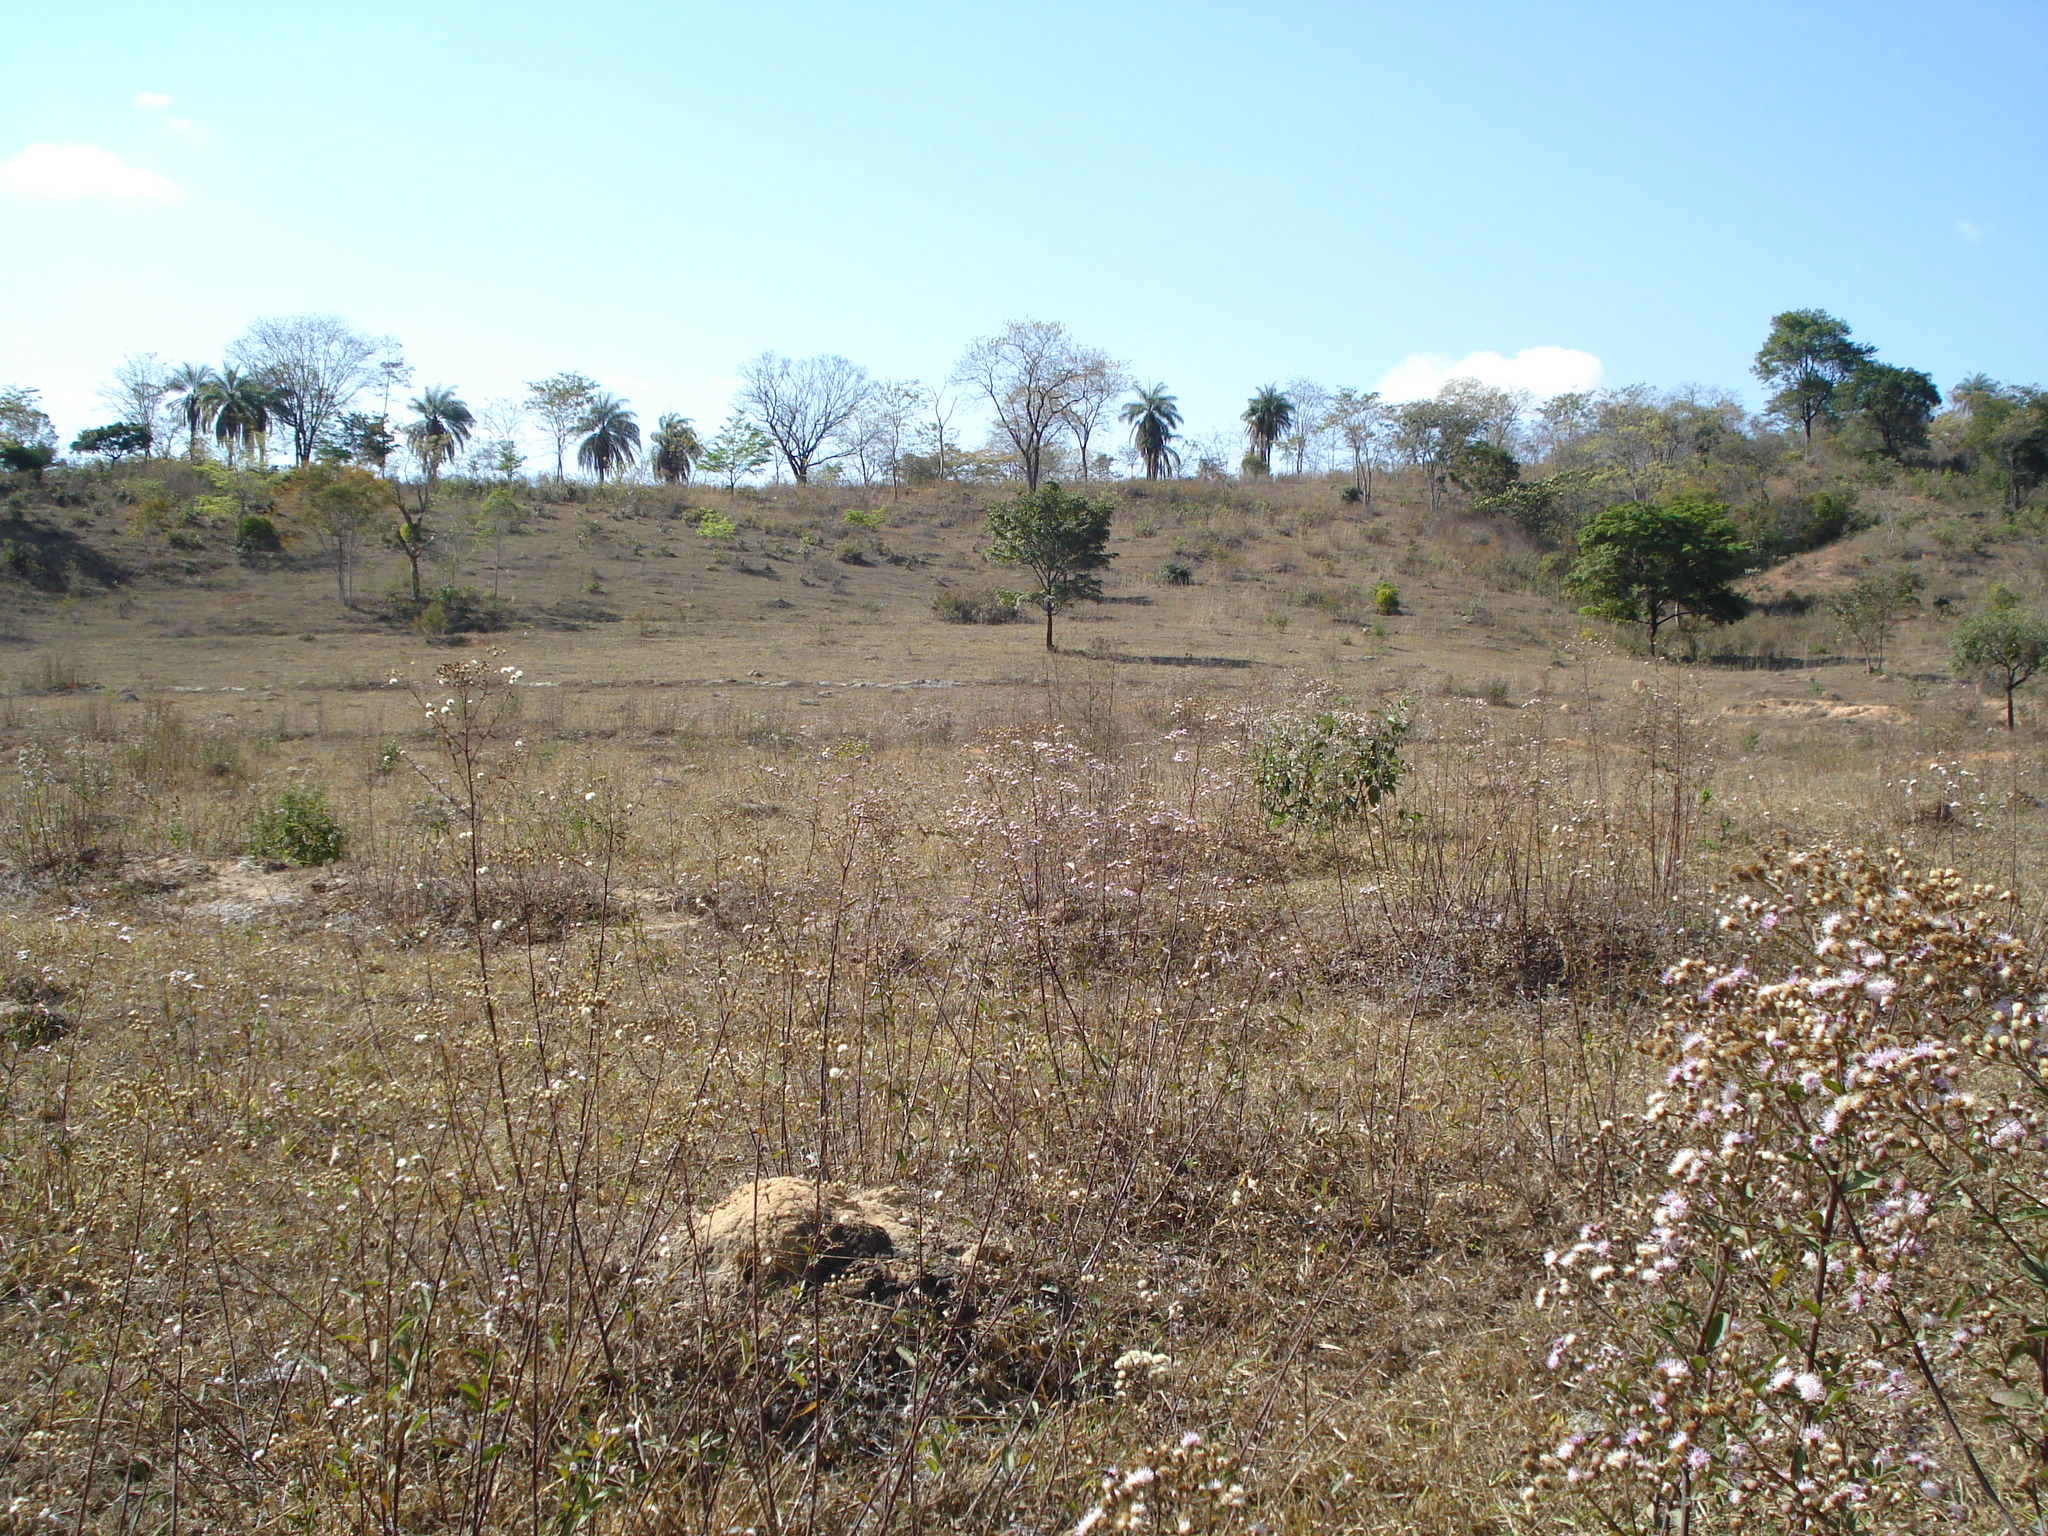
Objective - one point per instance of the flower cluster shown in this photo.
(1826, 1310)
(1187, 1486)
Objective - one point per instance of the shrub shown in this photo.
(868, 520)
(1822, 1312)
(1351, 495)
(257, 535)
(453, 611)
(976, 605)
(1328, 768)
(1386, 598)
(298, 828)
(1178, 574)
(1779, 530)
(716, 526)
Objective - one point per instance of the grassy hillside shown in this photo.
(358, 1193)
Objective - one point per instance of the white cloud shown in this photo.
(151, 100)
(73, 171)
(1970, 232)
(1543, 371)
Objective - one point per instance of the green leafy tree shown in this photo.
(113, 442)
(22, 420)
(29, 459)
(359, 438)
(1154, 420)
(1060, 538)
(612, 440)
(1894, 403)
(740, 449)
(2005, 644)
(499, 515)
(440, 427)
(2005, 432)
(1266, 417)
(1806, 356)
(340, 503)
(1649, 563)
(674, 450)
(1480, 469)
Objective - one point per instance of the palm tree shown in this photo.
(193, 381)
(238, 405)
(677, 449)
(441, 427)
(1154, 417)
(1267, 415)
(614, 437)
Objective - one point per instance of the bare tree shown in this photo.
(1357, 418)
(561, 402)
(803, 403)
(941, 406)
(1311, 406)
(314, 366)
(1101, 382)
(878, 431)
(1030, 375)
(137, 394)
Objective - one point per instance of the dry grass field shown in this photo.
(385, 1192)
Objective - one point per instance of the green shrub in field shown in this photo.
(1386, 598)
(976, 605)
(257, 535)
(868, 520)
(299, 829)
(1178, 574)
(1327, 768)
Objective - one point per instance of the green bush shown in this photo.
(1386, 598)
(257, 535)
(1178, 574)
(454, 611)
(868, 520)
(976, 605)
(1328, 768)
(298, 828)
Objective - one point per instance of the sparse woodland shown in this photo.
(1351, 1040)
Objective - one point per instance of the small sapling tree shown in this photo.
(1062, 539)
(1649, 563)
(1871, 610)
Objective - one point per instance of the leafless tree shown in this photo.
(1100, 383)
(876, 434)
(137, 393)
(803, 403)
(314, 365)
(1030, 375)
(940, 407)
(1357, 418)
(1311, 406)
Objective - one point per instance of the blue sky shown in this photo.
(1222, 195)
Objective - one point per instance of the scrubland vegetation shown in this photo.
(1349, 1041)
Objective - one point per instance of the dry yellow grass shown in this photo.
(336, 1198)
